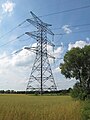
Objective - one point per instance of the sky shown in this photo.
(70, 25)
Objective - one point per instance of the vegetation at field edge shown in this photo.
(86, 110)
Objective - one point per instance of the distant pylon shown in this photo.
(41, 78)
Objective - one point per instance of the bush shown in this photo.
(86, 110)
(78, 92)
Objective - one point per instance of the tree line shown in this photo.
(58, 92)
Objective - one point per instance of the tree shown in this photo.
(77, 65)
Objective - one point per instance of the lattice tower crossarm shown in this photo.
(41, 78)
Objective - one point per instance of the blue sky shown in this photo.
(15, 70)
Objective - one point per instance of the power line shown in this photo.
(65, 11)
(69, 26)
(80, 25)
(25, 39)
(81, 31)
(12, 40)
(6, 56)
(73, 32)
(62, 34)
(12, 29)
(11, 54)
(26, 26)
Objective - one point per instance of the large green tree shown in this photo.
(77, 65)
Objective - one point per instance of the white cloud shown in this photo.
(57, 70)
(23, 58)
(55, 53)
(88, 39)
(7, 9)
(66, 29)
(26, 57)
(4, 63)
(8, 6)
(16, 68)
(58, 52)
(79, 43)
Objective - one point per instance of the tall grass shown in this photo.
(24, 107)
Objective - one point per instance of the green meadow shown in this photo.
(27, 107)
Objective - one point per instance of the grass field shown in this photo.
(26, 107)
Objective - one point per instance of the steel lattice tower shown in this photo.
(41, 78)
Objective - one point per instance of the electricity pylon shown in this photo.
(41, 78)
